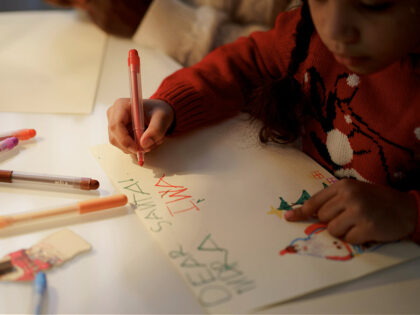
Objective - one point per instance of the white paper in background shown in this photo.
(212, 198)
(50, 62)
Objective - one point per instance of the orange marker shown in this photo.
(22, 134)
(137, 111)
(81, 207)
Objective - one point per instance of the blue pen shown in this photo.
(40, 283)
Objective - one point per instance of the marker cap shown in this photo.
(88, 183)
(134, 60)
(25, 134)
(6, 176)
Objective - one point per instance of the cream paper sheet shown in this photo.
(214, 199)
(50, 62)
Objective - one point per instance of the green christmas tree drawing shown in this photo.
(284, 205)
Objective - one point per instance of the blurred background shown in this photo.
(17, 5)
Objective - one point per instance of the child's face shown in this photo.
(368, 35)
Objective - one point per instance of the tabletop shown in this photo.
(126, 272)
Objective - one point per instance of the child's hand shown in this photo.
(159, 116)
(359, 212)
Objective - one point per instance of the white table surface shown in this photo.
(126, 272)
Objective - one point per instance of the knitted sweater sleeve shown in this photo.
(416, 236)
(219, 86)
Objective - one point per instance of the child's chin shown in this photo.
(365, 69)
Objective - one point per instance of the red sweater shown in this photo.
(368, 126)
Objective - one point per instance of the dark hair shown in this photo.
(280, 103)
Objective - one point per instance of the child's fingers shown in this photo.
(123, 140)
(295, 215)
(330, 209)
(120, 111)
(342, 224)
(159, 124)
(355, 235)
(154, 134)
(159, 115)
(311, 206)
(119, 116)
(149, 143)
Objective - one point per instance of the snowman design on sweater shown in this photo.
(342, 139)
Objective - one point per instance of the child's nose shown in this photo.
(340, 25)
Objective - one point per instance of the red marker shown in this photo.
(22, 134)
(137, 111)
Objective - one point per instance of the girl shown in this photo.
(341, 75)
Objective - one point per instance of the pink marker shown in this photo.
(8, 143)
